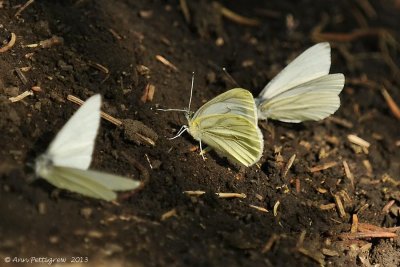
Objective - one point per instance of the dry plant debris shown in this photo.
(10, 44)
(258, 208)
(195, 193)
(148, 93)
(394, 108)
(167, 63)
(324, 166)
(134, 130)
(168, 214)
(358, 141)
(231, 195)
(229, 14)
(21, 96)
(22, 8)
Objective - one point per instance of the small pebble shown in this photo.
(86, 212)
(42, 208)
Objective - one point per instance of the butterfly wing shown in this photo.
(88, 183)
(313, 100)
(304, 90)
(73, 145)
(235, 101)
(231, 135)
(313, 63)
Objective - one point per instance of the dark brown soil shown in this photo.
(38, 221)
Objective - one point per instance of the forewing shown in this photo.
(313, 100)
(235, 101)
(313, 63)
(73, 145)
(232, 136)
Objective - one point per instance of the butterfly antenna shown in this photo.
(230, 77)
(191, 92)
(171, 109)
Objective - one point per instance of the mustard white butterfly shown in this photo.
(65, 163)
(228, 124)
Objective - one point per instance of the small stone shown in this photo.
(156, 164)
(146, 14)
(64, 66)
(86, 212)
(211, 77)
(143, 70)
(139, 133)
(112, 248)
(95, 234)
(42, 208)
(54, 239)
(38, 106)
(11, 91)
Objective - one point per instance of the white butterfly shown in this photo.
(304, 90)
(228, 124)
(65, 163)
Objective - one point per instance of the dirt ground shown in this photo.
(338, 204)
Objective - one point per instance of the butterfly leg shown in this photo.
(180, 132)
(201, 151)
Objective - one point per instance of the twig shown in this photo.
(185, 10)
(348, 173)
(104, 115)
(288, 165)
(99, 67)
(388, 206)
(358, 141)
(167, 63)
(22, 8)
(354, 225)
(327, 206)
(271, 241)
(316, 256)
(168, 214)
(258, 208)
(148, 160)
(394, 108)
(367, 7)
(366, 227)
(341, 122)
(21, 76)
(115, 34)
(21, 96)
(231, 195)
(339, 205)
(10, 44)
(362, 235)
(195, 193)
(229, 14)
(276, 205)
(324, 166)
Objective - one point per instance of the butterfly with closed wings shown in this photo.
(304, 90)
(65, 163)
(228, 124)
